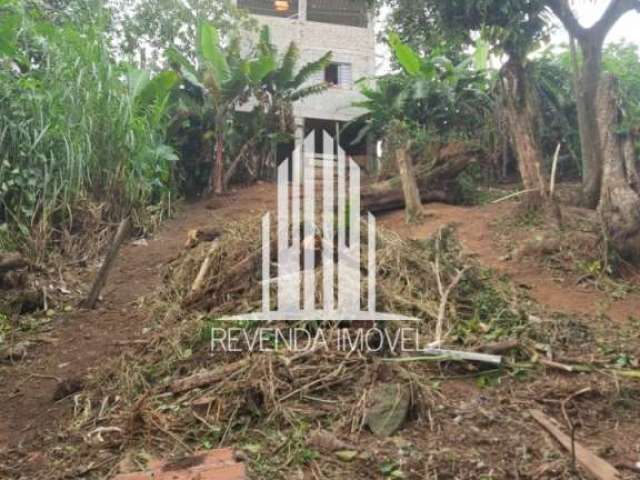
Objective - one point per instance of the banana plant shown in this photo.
(384, 101)
(224, 79)
(431, 92)
(275, 93)
(286, 84)
(150, 95)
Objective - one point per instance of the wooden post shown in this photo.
(101, 277)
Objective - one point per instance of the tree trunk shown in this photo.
(631, 163)
(413, 205)
(591, 43)
(521, 110)
(586, 96)
(619, 202)
(209, 159)
(236, 162)
(218, 166)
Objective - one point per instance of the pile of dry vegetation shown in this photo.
(288, 409)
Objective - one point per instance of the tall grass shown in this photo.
(72, 135)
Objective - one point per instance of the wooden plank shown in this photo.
(595, 465)
(468, 356)
(441, 355)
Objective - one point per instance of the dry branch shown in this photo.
(203, 379)
(204, 268)
(554, 171)
(499, 348)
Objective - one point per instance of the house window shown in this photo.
(338, 75)
(271, 8)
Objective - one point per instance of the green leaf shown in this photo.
(407, 58)
(261, 67)
(137, 80)
(157, 88)
(9, 25)
(309, 69)
(211, 53)
(180, 63)
(481, 55)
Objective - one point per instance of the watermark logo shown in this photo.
(319, 211)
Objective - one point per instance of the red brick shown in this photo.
(211, 465)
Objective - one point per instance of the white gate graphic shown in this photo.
(331, 216)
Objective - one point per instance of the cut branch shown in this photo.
(236, 163)
(206, 378)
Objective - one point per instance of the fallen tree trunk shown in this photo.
(433, 185)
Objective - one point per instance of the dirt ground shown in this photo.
(81, 341)
(476, 229)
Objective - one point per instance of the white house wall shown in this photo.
(352, 45)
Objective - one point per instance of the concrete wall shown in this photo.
(349, 44)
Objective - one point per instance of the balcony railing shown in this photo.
(337, 12)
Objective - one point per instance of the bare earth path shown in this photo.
(83, 339)
(474, 229)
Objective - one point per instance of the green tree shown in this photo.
(513, 28)
(161, 24)
(78, 126)
(430, 91)
(591, 41)
(223, 78)
(276, 93)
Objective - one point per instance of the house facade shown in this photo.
(344, 27)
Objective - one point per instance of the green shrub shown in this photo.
(72, 131)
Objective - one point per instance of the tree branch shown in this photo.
(562, 10)
(615, 10)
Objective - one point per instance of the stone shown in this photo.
(389, 409)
